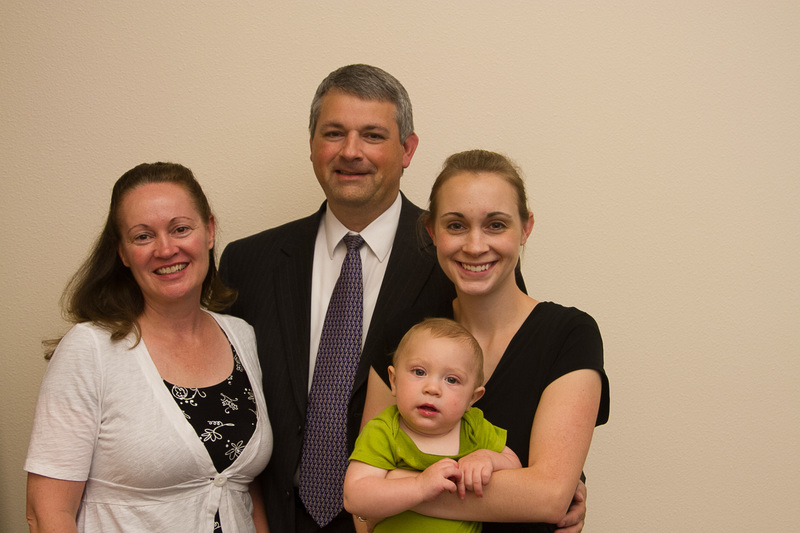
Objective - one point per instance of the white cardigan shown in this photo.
(104, 416)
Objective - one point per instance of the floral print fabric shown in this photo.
(223, 415)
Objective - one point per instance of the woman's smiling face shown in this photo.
(164, 242)
(478, 231)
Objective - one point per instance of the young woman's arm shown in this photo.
(542, 491)
(52, 504)
(368, 492)
(576, 514)
(478, 467)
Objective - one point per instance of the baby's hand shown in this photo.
(476, 469)
(439, 477)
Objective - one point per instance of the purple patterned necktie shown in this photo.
(324, 460)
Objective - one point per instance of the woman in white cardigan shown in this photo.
(150, 416)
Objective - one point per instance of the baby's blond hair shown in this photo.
(444, 327)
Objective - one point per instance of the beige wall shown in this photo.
(660, 142)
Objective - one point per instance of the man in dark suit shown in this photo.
(362, 139)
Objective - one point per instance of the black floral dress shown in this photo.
(223, 415)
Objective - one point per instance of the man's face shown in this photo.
(357, 155)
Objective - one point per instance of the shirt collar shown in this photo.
(379, 235)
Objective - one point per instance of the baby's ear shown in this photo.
(477, 394)
(391, 379)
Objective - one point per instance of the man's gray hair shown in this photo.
(368, 83)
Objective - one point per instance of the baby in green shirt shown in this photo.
(436, 376)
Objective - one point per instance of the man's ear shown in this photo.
(409, 147)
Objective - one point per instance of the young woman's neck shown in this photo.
(491, 312)
(493, 320)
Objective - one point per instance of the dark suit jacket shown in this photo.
(272, 272)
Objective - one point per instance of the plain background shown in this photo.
(661, 147)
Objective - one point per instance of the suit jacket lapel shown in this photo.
(293, 290)
(404, 279)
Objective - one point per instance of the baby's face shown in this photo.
(435, 383)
